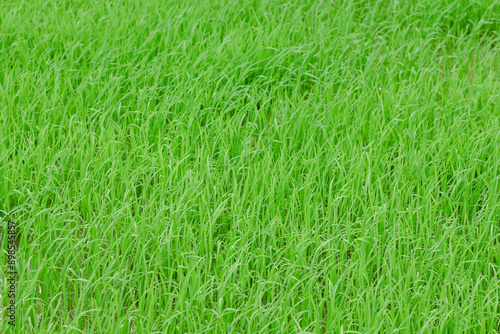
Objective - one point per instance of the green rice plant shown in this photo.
(262, 166)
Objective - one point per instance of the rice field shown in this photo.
(260, 166)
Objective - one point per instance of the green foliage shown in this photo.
(252, 166)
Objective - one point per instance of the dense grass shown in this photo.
(252, 166)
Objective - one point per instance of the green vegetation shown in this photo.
(252, 166)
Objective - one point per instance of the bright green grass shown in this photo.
(252, 166)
